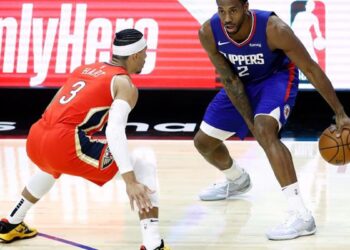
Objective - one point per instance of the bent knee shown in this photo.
(266, 132)
(144, 163)
(200, 143)
(204, 143)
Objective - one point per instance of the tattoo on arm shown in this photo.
(234, 89)
(233, 85)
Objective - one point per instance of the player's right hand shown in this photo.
(139, 194)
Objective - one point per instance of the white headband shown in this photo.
(127, 50)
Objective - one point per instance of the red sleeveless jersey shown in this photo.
(84, 100)
(60, 141)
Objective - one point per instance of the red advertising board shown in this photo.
(42, 41)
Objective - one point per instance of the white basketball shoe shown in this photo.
(295, 226)
(224, 190)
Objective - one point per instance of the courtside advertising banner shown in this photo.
(43, 41)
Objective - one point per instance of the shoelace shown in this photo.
(225, 184)
(227, 189)
(292, 217)
(222, 184)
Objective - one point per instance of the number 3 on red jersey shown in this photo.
(76, 88)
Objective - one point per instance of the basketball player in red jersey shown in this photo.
(60, 142)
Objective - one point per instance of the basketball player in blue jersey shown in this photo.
(257, 56)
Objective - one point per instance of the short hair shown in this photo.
(242, 1)
(126, 37)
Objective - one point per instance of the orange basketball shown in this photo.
(335, 150)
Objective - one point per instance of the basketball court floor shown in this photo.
(77, 214)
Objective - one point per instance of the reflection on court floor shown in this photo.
(78, 214)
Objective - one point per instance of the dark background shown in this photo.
(23, 106)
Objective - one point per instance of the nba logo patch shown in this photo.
(308, 21)
(286, 111)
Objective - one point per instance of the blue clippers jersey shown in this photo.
(251, 59)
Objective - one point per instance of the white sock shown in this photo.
(294, 199)
(19, 212)
(38, 185)
(150, 233)
(233, 172)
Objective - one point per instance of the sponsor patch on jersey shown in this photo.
(255, 45)
(107, 159)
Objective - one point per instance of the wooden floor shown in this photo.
(77, 214)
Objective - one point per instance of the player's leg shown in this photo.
(95, 163)
(220, 122)
(266, 132)
(270, 115)
(12, 227)
(300, 221)
(145, 168)
(214, 149)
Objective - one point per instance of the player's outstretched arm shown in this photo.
(232, 84)
(281, 36)
(126, 96)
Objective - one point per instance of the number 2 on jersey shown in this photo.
(243, 71)
(76, 88)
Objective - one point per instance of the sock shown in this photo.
(294, 199)
(40, 183)
(19, 212)
(233, 172)
(150, 233)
